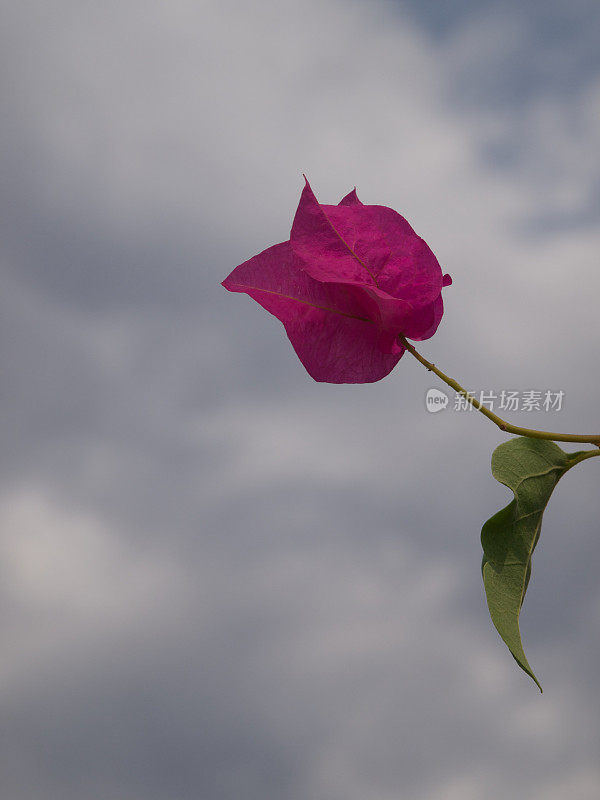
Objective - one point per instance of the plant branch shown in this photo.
(502, 424)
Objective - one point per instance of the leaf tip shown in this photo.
(535, 680)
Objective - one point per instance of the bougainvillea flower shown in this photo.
(349, 281)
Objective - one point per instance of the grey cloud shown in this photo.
(219, 578)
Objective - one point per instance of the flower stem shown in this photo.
(583, 456)
(502, 424)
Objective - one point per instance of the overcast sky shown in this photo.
(221, 580)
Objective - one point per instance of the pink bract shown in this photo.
(349, 281)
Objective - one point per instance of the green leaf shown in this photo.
(531, 468)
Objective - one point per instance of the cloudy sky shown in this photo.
(220, 579)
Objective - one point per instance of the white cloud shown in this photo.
(72, 584)
(577, 784)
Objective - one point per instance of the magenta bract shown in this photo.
(350, 279)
